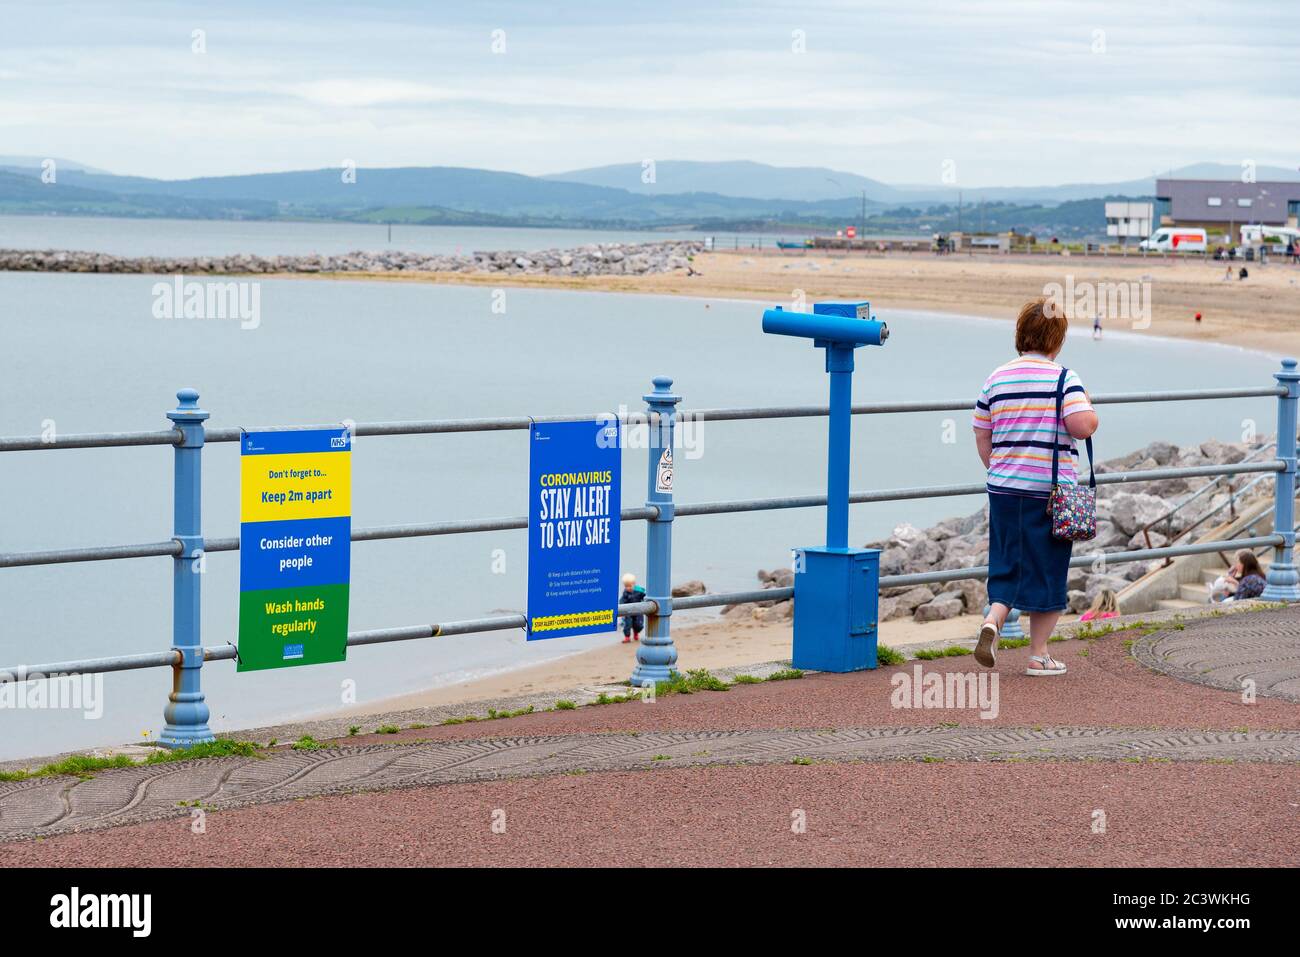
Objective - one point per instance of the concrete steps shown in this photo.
(1181, 584)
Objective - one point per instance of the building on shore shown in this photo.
(1129, 220)
(1222, 207)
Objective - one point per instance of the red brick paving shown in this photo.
(1035, 813)
(866, 814)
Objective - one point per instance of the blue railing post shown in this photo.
(656, 657)
(187, 711)
(1282, 576)
(1011, 628)
(839, 363)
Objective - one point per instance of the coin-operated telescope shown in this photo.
(836, 588)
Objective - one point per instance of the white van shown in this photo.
(1175, 239)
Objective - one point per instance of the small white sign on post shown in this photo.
(664, 475)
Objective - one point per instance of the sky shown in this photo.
(1031, 92)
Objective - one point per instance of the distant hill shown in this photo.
(737, 178)
(686, 194)
(811, 183)
(434, 190)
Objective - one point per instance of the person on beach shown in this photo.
(1244, 580)
(632, 624)
(1016, 430)
(1105, 605)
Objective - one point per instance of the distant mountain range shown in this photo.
(683, 194)
(811, 183)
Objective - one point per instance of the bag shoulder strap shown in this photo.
(1060, 402)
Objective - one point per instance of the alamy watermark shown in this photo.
(23, 690)
(210, 299)
(688, 432)
(1126, 301)
(946, 690)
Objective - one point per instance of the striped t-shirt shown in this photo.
(1018, 403)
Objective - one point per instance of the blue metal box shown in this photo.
(850, 310)
(836, 600)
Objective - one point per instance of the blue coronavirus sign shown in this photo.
(573, 528)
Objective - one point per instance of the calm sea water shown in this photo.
(171, 237)
(84, 353)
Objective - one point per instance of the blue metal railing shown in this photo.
(186, 711)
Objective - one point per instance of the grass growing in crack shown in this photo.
(307, 743)
(220, 748)
(464, 719)
(747, 680)
(801, 761)
(387, 729)
(85, 766)
(354, 730)
(564, 704)
(493, 713)
(78, 766)
(786, 674)
(952, 651)
(700, 679)
(887, 656)
(1006, 644)
(603, 698)
(662, 757)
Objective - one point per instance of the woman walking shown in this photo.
(1017, 433)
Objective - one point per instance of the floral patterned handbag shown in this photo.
(1073, 508)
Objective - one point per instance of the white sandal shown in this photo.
(1050, 666)
(987, 648)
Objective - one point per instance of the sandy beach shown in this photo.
(718, 644)
(1259, 312)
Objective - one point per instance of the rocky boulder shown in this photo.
(938, 610)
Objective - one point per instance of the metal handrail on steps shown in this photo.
(1233, 494)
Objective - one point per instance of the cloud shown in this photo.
(1013, 92)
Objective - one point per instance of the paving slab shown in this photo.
(1170, 697)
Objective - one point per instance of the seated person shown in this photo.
(1244, 580)
(1106, 605)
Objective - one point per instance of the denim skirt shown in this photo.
(1027, 566)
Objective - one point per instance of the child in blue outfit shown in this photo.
(632, 624)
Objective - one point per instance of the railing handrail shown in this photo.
(33, 443)
(647, 513)
(187, 712)
(1184, 502)
(509, 622)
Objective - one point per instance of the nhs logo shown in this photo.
(339, 441)
(292, 651)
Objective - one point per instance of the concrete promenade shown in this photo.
(1146, 753)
